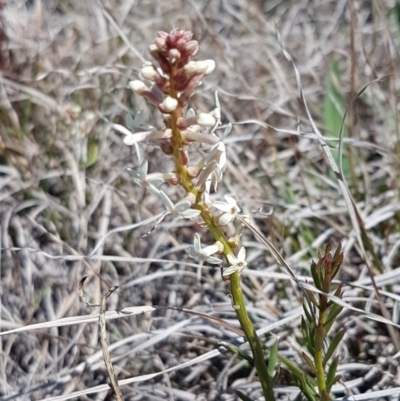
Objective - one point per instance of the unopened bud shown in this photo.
(192, 47)
(148, 72)
(191, 68)
(184, 158)
(209, 66)
(166, 147)
(193, 171)
(153, 49)
(173, 178)
(205, 67)
(168, 105)
(138, 87)
(206, 120)
(174, 55)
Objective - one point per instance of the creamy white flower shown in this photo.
(236, 263)
(204, 254)
(132, 138)
(181, 209)
(218, 153)
(230, 209)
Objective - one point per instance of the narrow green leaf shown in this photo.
(338, 293)
(334, 311)
(309, 362)
(292, 367)
(304, 329)
(315, 276)
(243, 396)
(311, 297)
(334, 381)
(337, 260)
(308, 314)
(236, 350)
(274, 380)
(334, 109)
(307, 390)
(307, 337)
(333, 345)
(311, 339)
(330, 377)
(272, 359)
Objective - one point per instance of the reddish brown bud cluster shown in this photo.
(174, 52)
(174, 48)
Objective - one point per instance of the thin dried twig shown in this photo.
(103, 336)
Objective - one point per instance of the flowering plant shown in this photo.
(169, 86)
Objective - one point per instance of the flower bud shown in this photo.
(191, 48)
(174, 178)
(193, 171)
(166, 147)
(153, 50)
(205, 67)
(184, 158)
(148, 72)
(161, 45)
(174, 55)
(168, 105)
(208, 66)
(138, 87)
(206, 120)
(191, 68)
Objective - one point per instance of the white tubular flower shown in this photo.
(230, 209)
(133, 138)
(218, 153)
(204, 254)
(236, 263)
(205, 172)
(202, 137)
(181, 209)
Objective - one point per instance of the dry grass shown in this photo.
(65, 66)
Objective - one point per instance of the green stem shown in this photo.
(218, 234)
(319, 348)
(254, 341)
(319, 357)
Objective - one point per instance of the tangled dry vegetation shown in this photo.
(69, 210)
